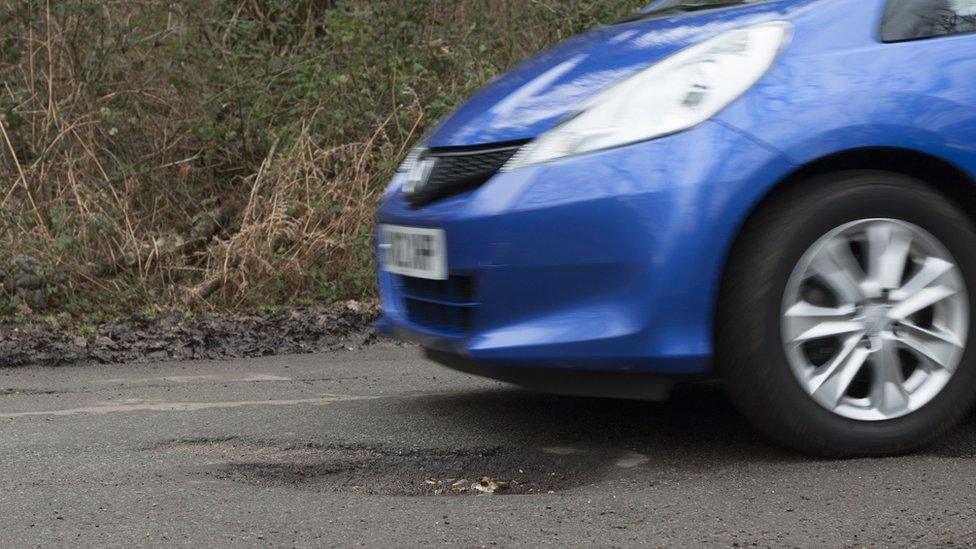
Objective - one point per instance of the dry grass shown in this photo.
(225, 154)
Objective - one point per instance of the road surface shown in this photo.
(379, 448)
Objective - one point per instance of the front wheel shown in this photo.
(845, 315)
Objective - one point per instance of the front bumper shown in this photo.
(603, 262)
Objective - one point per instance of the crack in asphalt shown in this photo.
(204, 378)
(4, 391)
(128, 406)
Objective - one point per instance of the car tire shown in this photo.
(763, 368)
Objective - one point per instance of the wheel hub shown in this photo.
(875, 317)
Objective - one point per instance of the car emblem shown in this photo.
(419, 175)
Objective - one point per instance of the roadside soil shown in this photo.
(206, 336)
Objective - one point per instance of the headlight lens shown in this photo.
(673, 95)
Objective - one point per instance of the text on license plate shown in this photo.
(413, 251)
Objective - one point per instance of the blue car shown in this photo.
(775, 194)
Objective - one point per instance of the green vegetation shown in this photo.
(183, 155)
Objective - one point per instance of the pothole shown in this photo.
(4, 391)
(391, 471)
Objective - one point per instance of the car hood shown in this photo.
(536, 95)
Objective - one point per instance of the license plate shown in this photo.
(413, 251)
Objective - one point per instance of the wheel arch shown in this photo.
(936, 172)
(942, 175)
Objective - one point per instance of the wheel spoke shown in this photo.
(935, 345)
(888, 394)
(838, 268)
(932, 270)
(920, 300)
(805, 321)
(830, 329)
(887, 253)
(830, 386)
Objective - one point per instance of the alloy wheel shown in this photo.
(875, 319)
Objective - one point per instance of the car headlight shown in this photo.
(673, 95)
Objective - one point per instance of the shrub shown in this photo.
(168, 154)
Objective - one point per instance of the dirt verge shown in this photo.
(206, 336)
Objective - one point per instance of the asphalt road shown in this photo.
(379, 448)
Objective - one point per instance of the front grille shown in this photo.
(446, 305)
(459, 170)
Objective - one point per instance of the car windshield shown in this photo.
(669, 7)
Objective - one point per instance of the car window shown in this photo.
(915, 19)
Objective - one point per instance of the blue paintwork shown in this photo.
(612, 260)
